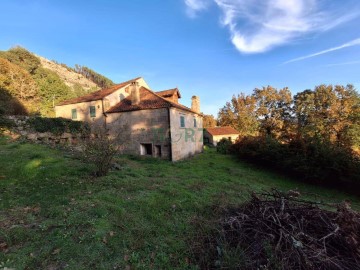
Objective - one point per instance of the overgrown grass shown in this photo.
(53, 214)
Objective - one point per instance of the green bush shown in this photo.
(311, 160)
(57, 125)
(223, 146)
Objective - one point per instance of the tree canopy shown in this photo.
(209, 121)
(329, 112)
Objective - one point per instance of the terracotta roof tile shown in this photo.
(169, 93)
(97, 95)
(222, 131)
(148, 100)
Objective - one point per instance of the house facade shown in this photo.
(157, 123)
(215, 134)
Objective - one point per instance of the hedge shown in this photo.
(313, 161)
(57, 125)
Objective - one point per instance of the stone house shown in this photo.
(159, 125)
(215, 134)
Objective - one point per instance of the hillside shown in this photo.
(68, 76)
(32, 84)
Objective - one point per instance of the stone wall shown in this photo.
(186, 141)
(145, 127)
(83, 112)
(22, 128)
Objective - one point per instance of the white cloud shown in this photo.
(355, 42)
(259, 25)
(194, 6)
(343, 64)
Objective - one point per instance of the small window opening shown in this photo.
(182, 121)
(158, 150)
(92, 111)
(73, 114)
(146, 149)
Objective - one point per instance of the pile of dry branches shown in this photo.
(276, 230)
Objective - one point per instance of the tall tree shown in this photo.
(209, 121)
(90, 74)
(240, 114)
(273, 110)
(303, 110)
(329, 112)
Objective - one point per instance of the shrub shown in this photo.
(100, 149)
(57, 125)
(311, 160)
(223, 146)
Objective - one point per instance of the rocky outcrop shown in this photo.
(70, 78)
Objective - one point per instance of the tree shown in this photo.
(273, 111)
(328, 112)
(90, 74)
(18, 83)
(52, 90)
(22, 58)
(345, 114)
(240, 114)
(209, 121)
(303, 111)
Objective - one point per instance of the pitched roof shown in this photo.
(148, 100)
(97, 95)
(222, 131)
(169, 93)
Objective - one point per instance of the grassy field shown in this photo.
(53, 215)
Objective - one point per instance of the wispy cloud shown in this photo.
(355, 42)
(343, 64)
(194, 6)
(259, 25)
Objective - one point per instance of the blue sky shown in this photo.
(211, 48)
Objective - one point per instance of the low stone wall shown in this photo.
(22, 128)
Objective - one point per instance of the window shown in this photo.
(182, 121)
(157, 150)
(73, 114)
(92, 111)
(146, 149)
(195, 124)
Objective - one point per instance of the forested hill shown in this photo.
(31, 84)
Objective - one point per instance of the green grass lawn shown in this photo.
(53, 215)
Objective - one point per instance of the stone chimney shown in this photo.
(195, 104)
(135, 93)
